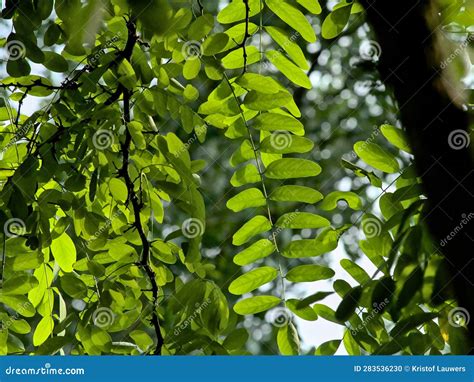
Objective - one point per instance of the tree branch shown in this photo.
(247, 34)
(133, 197)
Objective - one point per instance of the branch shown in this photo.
(247, 34)
(133, 197)
(66, 85)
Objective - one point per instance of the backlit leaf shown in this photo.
(256, 304)
(252, 280)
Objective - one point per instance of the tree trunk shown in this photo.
(437, 129)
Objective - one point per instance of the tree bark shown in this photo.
(437, 129)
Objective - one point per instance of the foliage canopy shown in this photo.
(116, 235)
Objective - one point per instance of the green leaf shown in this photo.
(118, 190)
(263, 102)
(293, 17)
(336, 21)
(64, 252)
(235, 11)
(288, 69)
(289, 46)
(52, 345)
(348, 304)
(305, 312)
(55, 62)
(127, 76)
(325, 242)
(236, 339)
(256, 304)
(245, 175)
(278, 122)
(257, 82)
(374, 179)
(201, 27)
(258, 224)
(252, 197)
(351, 345)
(377, 157)
(308, 273)
(19, 304)
(190, 94)
(237, 33)
(356, 271)
(73, 286)
(410, 286)
(285, 143)
(290, 168)
(235, 59)
(191, 69)
(318, 296)
(312, 6)
(412, 322)
(43, 330)
(141, 339)
(19, 326)
(296, 194)
(18, 68)
(19, 284)
(330, 201)
(242, 154)
(301, 220)
(288, 340)
(135, 128)
(327, 313)
(215, 44)
(328, 348)
(341, 287)
(382, 294)
(256, 251)
(52, 34)
(396, 137)
(252, 280)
